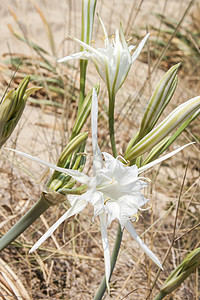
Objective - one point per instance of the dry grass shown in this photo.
(70, 265)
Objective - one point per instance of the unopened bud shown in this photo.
(188, 265)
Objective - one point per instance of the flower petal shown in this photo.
(105, 247)
(89, 48)
(157, 161)
(80, 177)
(133, 233)
(106, 40)
(139, 48)
(97, 157)
(75, 209)
(78, 55)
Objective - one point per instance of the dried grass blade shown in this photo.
(10, 284)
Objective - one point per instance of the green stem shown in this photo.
(115, 252)
(111, 124)
(39, 208)
(83, 67)
(160, 296)
(118, 239)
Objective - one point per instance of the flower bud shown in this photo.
(11, 108)
(186, 267)
(159, 100)
(177, 117)
(88, 9)
(84, 112)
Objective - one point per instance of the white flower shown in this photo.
(112, 62)
(114, 191)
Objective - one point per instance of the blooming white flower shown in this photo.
(112, 62)
(114, 191)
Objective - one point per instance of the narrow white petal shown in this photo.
(75, 209)
(78, 55)
(157, 161)
(131, 47)
(80, 177)
(97, 157)
(140, 47)
(124, 42)
(87, 47)
(105, 247)
(106, 40)
(133, 233)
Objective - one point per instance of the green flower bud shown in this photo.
(58, 180)
(159, 100)
(88, 9)
(84, 112)
(74, 144)
(11, 108)
(188, 265)
(177, 117)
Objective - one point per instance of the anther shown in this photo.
(136, 216)
(92, 41)
(106, 200)
(112, 180)
(129, 39)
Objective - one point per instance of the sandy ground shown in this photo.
(41, 133)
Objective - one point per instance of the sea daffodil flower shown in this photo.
(112, 62)
(114, 191)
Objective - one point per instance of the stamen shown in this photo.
(129, 39)
(92, 41)
(104, 38)
(120, 156)
(106, 177)
(112, 38)
(136, 216)
(112, 180)
(144, 209)
(106, 200)
(145, 178)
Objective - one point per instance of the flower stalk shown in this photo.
(111, 124)
(88, 10)
(33, 214)
(102, 288)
